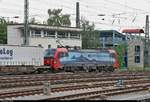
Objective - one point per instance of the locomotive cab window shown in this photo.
(63, 54)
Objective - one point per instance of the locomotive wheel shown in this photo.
(67, 69)
(96, 70)
(85, 68)
(110, 69)
(99, 69)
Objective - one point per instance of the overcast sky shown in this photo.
(119, 14)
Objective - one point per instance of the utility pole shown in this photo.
(26, 28)
(147, 29)
(146, 52)
(77, 15)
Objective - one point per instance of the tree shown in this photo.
(33, 21)
(90, 37)
(58, 19)
(65, 20)
(121, 48)
(3, 31)
(85, 25)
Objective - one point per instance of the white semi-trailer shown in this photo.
(20, 58)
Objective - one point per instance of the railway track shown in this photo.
(63, 77)
(67, 88)
(74, 82)
(102, 94)
(58, 76)
(39, 81)
(36, 82)
(84, 95)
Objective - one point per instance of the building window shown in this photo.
(137, 54)
(137, 59)
(50, 34)
(49, 46)
(137, 48)
(45, 33)
(75, 35)
(40, 45)
(62, 34)
(137, 51)
(36, 33)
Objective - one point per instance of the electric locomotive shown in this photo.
(81, 60)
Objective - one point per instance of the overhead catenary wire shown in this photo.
(88, 10)
(63, 6)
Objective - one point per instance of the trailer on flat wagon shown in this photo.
(15, 58)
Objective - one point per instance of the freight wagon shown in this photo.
(76, 60)
(14, 58)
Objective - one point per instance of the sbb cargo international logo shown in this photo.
(6, 53)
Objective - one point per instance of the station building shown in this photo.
(44, 35)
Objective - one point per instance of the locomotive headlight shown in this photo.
(55, 61)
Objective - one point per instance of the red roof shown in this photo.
(132, 31)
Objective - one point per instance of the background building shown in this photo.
(111, 38)
(135, 55)
(43, 35)
(135, 48)
(129, 45)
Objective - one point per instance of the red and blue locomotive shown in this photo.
(81, 60)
